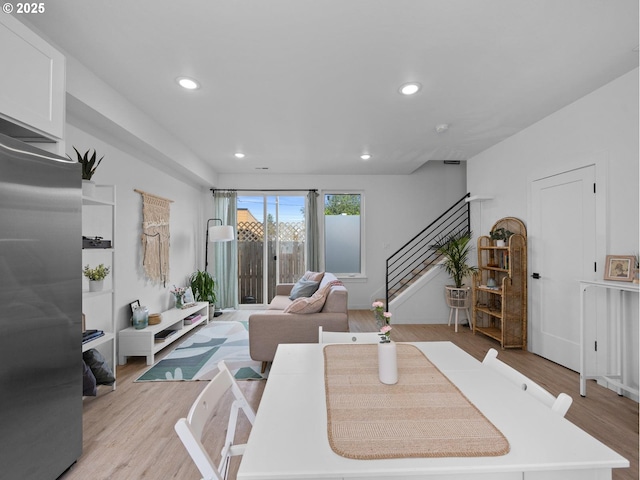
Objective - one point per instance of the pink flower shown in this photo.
(386, 329)
(387, 314)
(377, 304)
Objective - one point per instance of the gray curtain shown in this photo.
(226, 253)
(313, 232)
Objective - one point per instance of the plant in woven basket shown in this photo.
(455, 248)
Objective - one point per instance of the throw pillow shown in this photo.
(303, 288)
(312, 304)
(313, 276)
(99, 367)
(89, 388)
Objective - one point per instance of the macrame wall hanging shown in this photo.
(155, 237)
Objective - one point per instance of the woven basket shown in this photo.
(155, 318)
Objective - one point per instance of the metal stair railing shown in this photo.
(417, 256)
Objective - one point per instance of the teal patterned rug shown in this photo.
(197, 357)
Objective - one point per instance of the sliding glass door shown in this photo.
(271, 244)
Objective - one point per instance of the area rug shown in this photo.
(197, 357)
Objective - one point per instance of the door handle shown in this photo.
(536, 276)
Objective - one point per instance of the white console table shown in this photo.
(617, 378)
(132, 342)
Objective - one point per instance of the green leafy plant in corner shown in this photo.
(98, 273)
(455, 248)
(203, 286)
(89, 164)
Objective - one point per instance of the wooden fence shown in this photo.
(291, 260)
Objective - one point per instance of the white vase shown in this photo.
(88, 188)
(388, 363)
(500, 243)
(96, 285)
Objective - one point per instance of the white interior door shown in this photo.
(562, 241)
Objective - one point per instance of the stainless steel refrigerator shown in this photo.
(40, 312)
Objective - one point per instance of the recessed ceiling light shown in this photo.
(410, 88)
(188, 83)
(441, 128)
(239, 155)
(365, 156)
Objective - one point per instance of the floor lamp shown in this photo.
(216, 233)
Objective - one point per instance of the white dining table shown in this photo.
(289, 439)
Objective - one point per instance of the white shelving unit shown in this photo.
(132, 342)
(99, 220)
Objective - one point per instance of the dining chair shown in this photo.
(559, 405)
(190, 429)
(347, 337)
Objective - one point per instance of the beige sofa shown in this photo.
(273, 326)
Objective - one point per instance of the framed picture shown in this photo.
(619, 268)
(135, 304)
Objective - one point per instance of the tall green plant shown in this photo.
(203, 286)
(456, 248)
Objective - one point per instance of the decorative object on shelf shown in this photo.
(96, 276)
(155, 318)
(89, 167)
(500, 235)
(133, 305)
(387, 362)
(619, 268)
(140, 318)
(155, 236)
(95, 242)
(178, 293)
(204, 288)
(382, 318)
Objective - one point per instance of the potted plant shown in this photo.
(203, 286)
(96, 276)
(455, 248)
(89, 167)
(500, 235)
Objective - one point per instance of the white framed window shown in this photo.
(344, 233)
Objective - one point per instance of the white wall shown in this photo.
(396, 208)
(128, 172)
(600, 128)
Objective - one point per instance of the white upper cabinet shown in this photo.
(32, 84)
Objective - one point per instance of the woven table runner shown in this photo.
(423, 415)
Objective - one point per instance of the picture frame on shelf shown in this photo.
(135, 304)
(619, 268)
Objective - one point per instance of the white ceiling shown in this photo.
(306, 86)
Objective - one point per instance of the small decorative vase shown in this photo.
(388, 363)
(500, 243)
(179, 300)
(140, 318)
(96, 285)
(88, 188)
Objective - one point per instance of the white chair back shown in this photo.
(190, 429)
(347, 337)
(559, 405)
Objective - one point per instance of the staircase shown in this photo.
(415, 258)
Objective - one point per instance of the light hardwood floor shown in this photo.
(128, 433)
